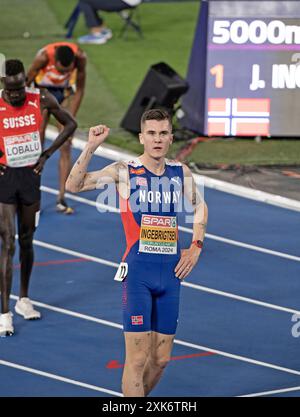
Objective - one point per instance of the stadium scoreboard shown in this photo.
(245, 68)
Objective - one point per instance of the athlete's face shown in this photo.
(156, 136)
(14, 89)
(62, 69)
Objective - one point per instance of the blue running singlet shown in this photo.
(151, 289)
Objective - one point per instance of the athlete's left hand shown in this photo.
(39, 166)
(189, 258)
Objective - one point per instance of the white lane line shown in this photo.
(59, 378)
(176, 341)
(276, 391)
(73, 314)
(246, 245)
(81, 200)
(240, 298)
(184, 283)
(223, 186)
(238, 357)
(241, 191)
(183, 229)
(74, 253)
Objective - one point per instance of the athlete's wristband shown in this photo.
(198, 243)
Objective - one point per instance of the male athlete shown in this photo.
(21, 163)
(61, 68)
(150, 189)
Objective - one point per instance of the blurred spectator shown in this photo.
(99, 33)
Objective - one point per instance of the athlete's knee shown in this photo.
(26, 240)
(160, 361)
(137, 361)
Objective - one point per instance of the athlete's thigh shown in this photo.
(66, 104)
(7, 220)
(165, 307)
(137, 344)
(28, 217)
(137, 310)
(161, 346)
(136, 299)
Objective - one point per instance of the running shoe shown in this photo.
(107, 33)
(97, 38)
(6, 324)
(25, 308)
(63, 207)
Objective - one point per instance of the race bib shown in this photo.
(158, 235)
(22, 150)
(121, 272)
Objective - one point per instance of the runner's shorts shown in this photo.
(151, 297)
(60, 93)
(20, 186)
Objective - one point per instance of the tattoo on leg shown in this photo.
(161, 343)
(137, 341)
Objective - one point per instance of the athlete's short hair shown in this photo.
(64, 55)
(155, 114)
(13, 67)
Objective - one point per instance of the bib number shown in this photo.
(121, 272)
(22, 150)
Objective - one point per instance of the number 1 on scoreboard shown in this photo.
(218, 71)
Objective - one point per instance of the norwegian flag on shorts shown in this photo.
(137, 320)
(238, 116)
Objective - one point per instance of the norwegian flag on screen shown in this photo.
(137, 320)
(238, 116)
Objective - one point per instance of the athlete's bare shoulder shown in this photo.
(118, 171)
(47, 100)
(122, 164)
(173, 162)
(41, 58)
(133, 163)
(81, 55)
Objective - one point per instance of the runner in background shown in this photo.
(21, 164)
(61, 68)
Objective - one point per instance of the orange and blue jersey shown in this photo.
(149, 216)
(49, 76)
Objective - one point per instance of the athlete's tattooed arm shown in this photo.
(81, 180)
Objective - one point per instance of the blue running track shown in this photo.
(234, 335)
